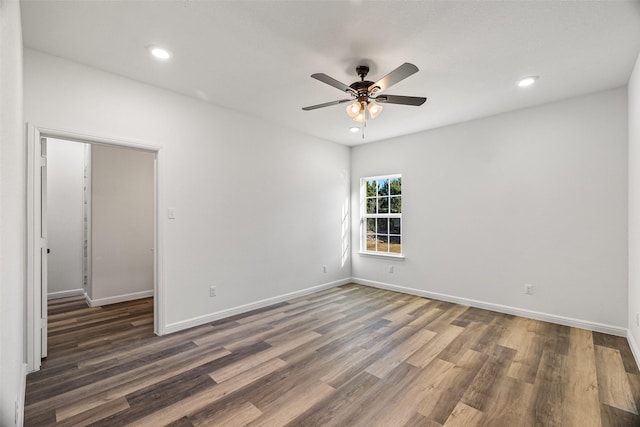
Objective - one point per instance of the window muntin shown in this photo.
(382, 215)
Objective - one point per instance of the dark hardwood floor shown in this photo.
(347, 356)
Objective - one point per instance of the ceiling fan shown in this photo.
(365, 95)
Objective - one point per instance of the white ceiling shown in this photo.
(256, 56)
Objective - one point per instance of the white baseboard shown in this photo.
(552, 318)
(211, 317)
(118, 298)
(64, 294)
(634, 347)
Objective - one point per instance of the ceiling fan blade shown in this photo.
(397, 75)
(327, 104)
(404, 100)
(332, 82)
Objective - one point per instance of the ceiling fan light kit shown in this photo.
(365, 98)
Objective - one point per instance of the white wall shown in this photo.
(65, 217)
(258, 207)
(122, 223)
(535, 196)
(12, 215)
(634, 207)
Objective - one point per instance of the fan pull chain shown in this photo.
(364, 123)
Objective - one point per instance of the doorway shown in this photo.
(113, 230)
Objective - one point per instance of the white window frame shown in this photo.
(364, 216)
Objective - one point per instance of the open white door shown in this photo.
(44, 247)
(37, 238)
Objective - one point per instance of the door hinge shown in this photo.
(43, 161)
(43, 323)
(43, 242)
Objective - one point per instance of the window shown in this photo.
(382, 215)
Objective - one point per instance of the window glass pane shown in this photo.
(383, 226)
(371, 206)
(371, 188)
(396, 204)
(383, 205)
(394, 244)
(381, 232)
(371, 242)
(394, 226)
(383, 187)
(396, 186)
(371, 225)
(383, 243)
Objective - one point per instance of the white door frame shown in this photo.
(44, 248)
(34, 295)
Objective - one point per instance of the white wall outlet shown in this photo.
(324, 268)
(528, 289)
(391, 269)
(213, 291)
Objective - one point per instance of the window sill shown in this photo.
(381, 255)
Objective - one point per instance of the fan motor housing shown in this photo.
(361, 86)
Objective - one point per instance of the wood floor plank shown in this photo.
(620, 344)
(279, 347)
(465, 416)
(158, 396)
(365, 408)
(484, 387)
(613, 384)
(419, 420)
(293, 403)
(548, 396)
(389, 361)
(327, 409)
(239, 414)
(453, 386)
(345, 356)
(580, 386)
(62, 385)
(182, 422)
(513, 404)
(95, 414)
(464, 341)
(176, 366)
(614, 417)
(200, 401)
(426, 354)
(529, 346)
(404, 404)
(634, 383)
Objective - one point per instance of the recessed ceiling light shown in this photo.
(354, 129)
(159, 52)
(527, 81)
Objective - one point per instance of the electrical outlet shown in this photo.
(391, 269)
(324, 268)
(528, 289)
(213, 291)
